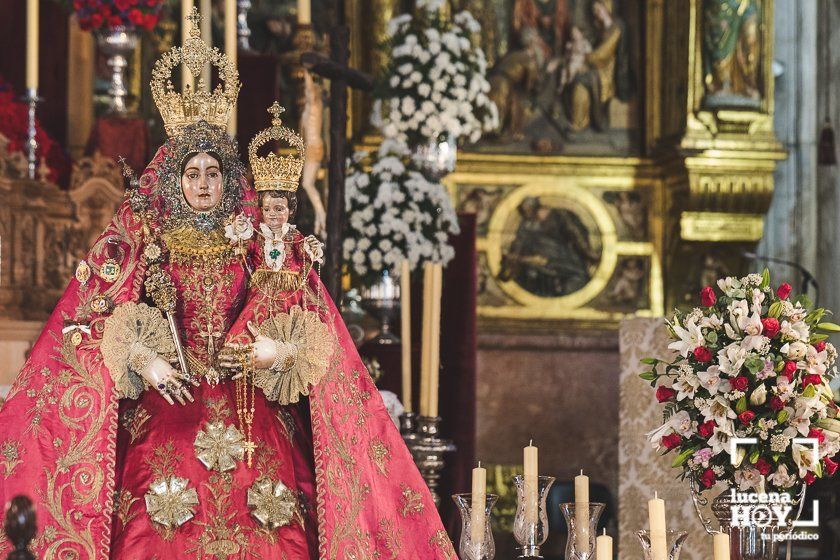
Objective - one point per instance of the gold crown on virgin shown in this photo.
(181, 109)
(276, 172)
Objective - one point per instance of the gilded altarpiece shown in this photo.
(634, 158)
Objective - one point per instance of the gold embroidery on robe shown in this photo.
(219, 446)
(412, 502)
(380, 455)
(134, 422)
(440, 540)
(390, 537)
(11, 452)
(170, 502)
(124, 501)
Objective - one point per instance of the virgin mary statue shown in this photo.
(195, 394)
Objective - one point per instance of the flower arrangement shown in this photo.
(105, 14)
(434, 84)
(394, 213)
(751, 363)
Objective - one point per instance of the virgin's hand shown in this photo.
(166, 380)
(260, 354)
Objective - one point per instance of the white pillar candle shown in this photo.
(207, 36)
(582, 512)
(230, 51)
(425, 357)
(304, 12)
(479, 500)
(604, 547)
(658, 539)
(434, 365)
(32, 44)
(187, 79)
(531, 468)
(721, 546)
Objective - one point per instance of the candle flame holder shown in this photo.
(428, 450)
(467, 548)
(674, 542)
(583, 529)
(532, 533)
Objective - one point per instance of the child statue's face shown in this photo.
(202, 182)
(275, 211)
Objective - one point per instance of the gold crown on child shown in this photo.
(276, 172)
(181, 109)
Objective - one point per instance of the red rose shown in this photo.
(115, 21)
(776, 403)
(671, 441)
(708, 297)
(122, 5)
(830, 466)
(771, 327)
(706, 429)
(664, 394)
(96, 21)
(784, 291)
(809, 478)
(136, 16)
(817, 435)
(739, 383)
(151, 3)
(708, 478)
(702, 354)
(790, 369)
(812, 379)
(149, 21)
(763, 466)
(819, 346)
(746, 417)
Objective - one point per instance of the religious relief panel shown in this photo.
(565, 74)
(563, 247)
(732, 53)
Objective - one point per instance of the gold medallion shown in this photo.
(83, 272)
(76, 338)
(110, 270)
(101, 304)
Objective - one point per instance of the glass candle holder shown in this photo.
(530, 526)
(583, 529)
(674, 543)
(469, 549)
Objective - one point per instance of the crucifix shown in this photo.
(341, 76)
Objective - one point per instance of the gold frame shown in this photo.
(572, 178)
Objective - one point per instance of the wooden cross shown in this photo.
(341, 76)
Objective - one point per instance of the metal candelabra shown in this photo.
(421, 435)
(32, 99)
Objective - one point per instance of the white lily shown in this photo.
(690, 337)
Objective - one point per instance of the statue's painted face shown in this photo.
(202, 182)
(275, 211)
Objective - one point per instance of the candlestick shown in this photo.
(425, 355)
(531, 468)
(32, 99)
(531, 534)
(207, 36)
(32, 44)
(187, 79)
(231, 17)
(604, 547)
(582, 512)
(479, 497)
(428, 450)
(656, 516)
(304, 11)
(473, 545)
(434, 360)
(721, 546)
(405, 332)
